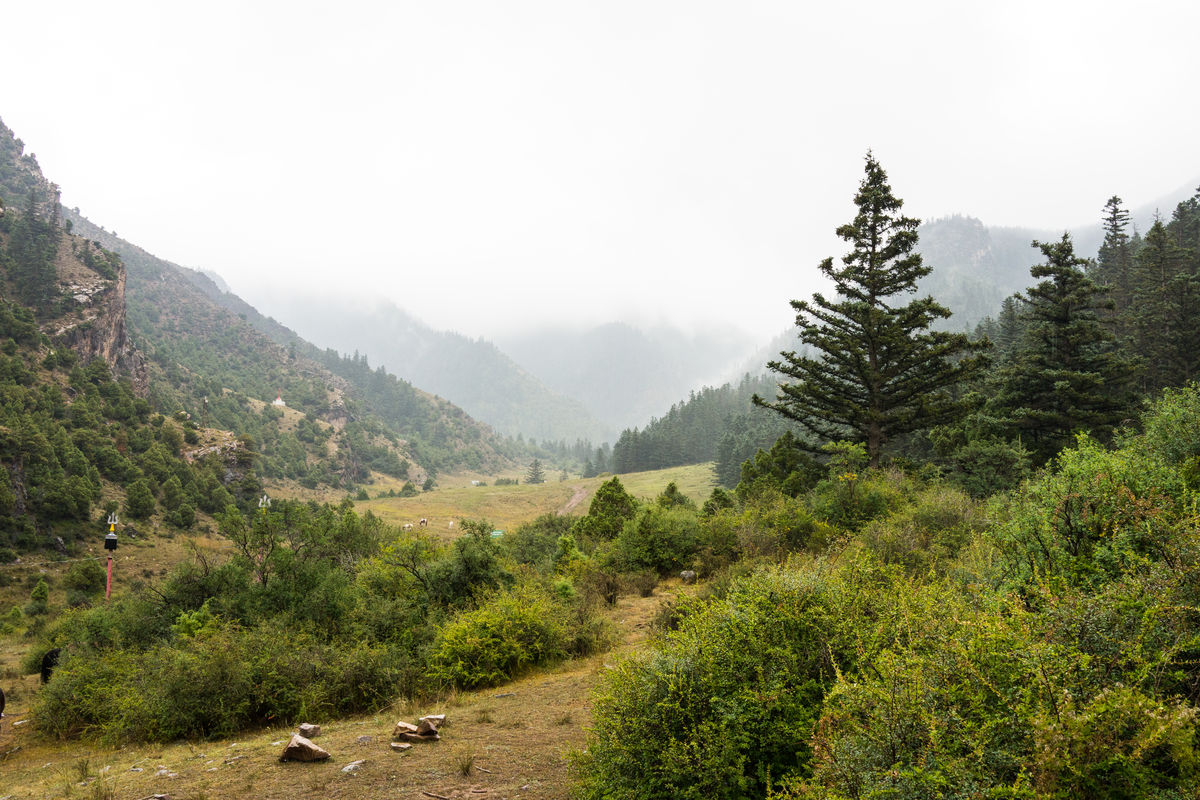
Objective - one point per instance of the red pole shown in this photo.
(108, 586)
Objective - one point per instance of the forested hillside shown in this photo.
(473, 373)
(174, 417)
(188, 322)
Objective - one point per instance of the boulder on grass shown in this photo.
(301, 749)
(310, 731)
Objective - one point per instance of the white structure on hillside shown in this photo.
(278, 401)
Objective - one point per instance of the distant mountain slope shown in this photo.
(206, 340)
(623, 374)
(975, 267)
(472, 373)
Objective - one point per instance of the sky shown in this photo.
(495, 166)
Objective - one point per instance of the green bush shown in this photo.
(83, 581)
(851, 499)
(510, 633)
(725, 703)
(664, 540)
(213, 684)
(1097, 513)
(929, 532)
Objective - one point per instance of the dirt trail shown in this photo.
(576, 499)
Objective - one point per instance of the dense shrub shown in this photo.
(510, 633)
(1093, 516)
(208, 686)
(664, 540)
(83, 581)
(930, 532)
(727, 701)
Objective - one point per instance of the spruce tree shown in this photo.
(877, 371)
(1068, 375)
(535, 474)
(1167, 304)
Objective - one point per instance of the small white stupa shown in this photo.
(278, 401)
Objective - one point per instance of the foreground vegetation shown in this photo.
(916, 643)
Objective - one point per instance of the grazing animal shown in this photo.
(408, 526)
(49, 662)
(451, 523)
(688, 576)
(424, 523)
(1, 704)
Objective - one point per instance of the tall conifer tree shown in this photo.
(877, 371)
(1167, 305)
(1068, 374)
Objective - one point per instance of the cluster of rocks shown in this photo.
(426, 730)
(302, 748)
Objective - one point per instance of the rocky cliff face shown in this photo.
(94, 325)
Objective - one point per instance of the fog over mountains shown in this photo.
(561, 383)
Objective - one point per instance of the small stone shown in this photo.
(352, 767)
(419, 737)
(400, 747)
(403, 727)
(365, 739)
(310, 731)
(136, 769)
(301, 749)
(276, 744)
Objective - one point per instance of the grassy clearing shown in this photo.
(508, 506)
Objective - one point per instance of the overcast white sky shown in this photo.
(491, 165)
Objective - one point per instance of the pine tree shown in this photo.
(535, 474)
(1114, 262)
(1167, 304)
(1068, 374)
(880, 371)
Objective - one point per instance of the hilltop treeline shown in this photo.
(714, 424)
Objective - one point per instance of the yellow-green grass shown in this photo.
(506, 507)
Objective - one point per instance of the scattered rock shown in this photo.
(301, 749)
(430, 724)
(365, 739)
(276, 744)
(403, 727)
(400, 747)
(352, 767)
(310, 731)
(136, 769)
(688, 576)
(419, 737)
